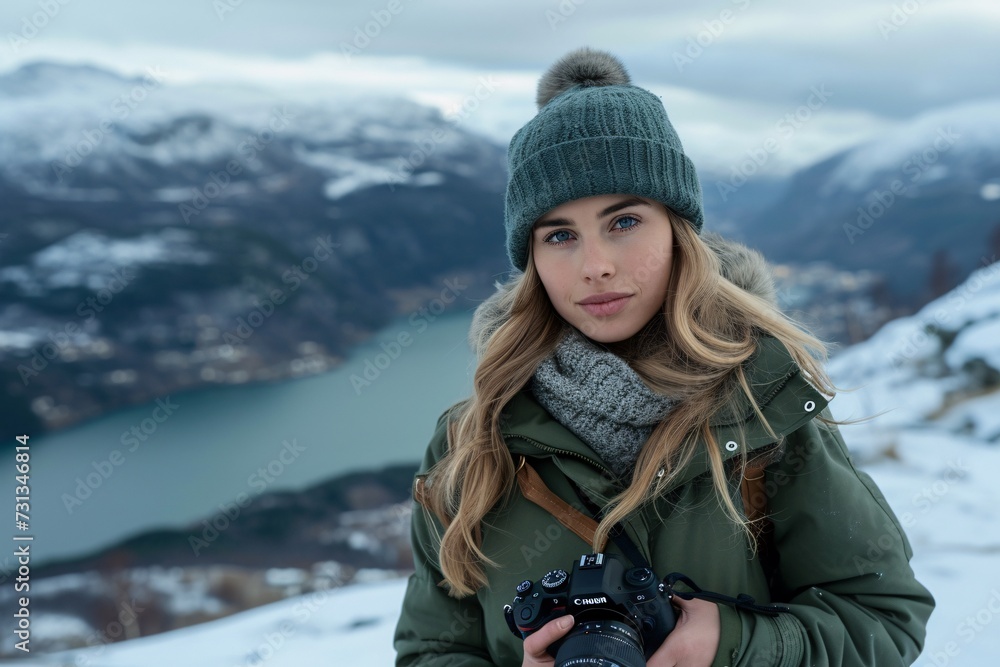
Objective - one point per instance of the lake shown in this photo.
(174, 461)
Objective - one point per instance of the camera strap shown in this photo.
(741, 601)
(617, 533)
(632, 552)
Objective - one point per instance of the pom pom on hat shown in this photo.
(585, 66)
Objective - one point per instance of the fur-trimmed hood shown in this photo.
(742, 265)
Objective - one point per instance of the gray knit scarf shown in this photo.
(596, 395)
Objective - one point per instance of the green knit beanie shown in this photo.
(594, 134)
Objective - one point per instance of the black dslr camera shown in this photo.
(622, 615)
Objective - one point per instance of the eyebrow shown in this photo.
(557, 222)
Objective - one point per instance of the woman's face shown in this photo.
(605, 263)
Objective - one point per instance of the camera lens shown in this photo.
(601, 644)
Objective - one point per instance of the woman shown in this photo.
(636, 370)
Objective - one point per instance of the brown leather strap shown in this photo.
(754, 491)
(754, 496)
(419, 491)
(534, 489)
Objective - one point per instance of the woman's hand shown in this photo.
(694, 641)
(536, 643)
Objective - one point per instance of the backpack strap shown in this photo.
(754, 496)
(420, 489)
(534, 489)
(754, 492)
(752, 489)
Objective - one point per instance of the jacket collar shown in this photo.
(783, 395)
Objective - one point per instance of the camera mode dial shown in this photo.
(554, 579)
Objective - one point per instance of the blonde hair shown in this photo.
(694, 353)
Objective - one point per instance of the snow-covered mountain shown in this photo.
(930, 184)
(63, 127)
(934, 452)
(205, 206)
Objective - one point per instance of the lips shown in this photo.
(603, 305)
(603, 298)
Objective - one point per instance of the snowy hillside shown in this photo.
(935, 453)
(320, 628)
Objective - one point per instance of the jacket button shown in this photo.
(732, 446)
(809, 406)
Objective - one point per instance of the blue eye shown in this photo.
(626, 218)
(551, 238)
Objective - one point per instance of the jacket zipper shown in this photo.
(553, 450)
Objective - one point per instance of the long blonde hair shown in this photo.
(695, 354)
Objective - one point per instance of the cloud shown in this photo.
(748, 63)
(890, 59)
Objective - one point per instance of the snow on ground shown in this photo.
(352, 626)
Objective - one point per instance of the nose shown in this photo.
(598, 261)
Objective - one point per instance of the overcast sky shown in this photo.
(727, 71)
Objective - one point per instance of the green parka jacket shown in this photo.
(842, 557)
